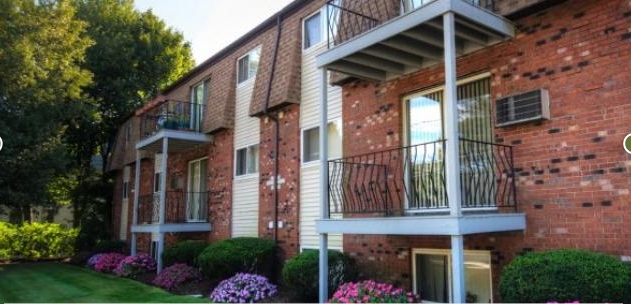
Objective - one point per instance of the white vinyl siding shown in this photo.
(125, 204)
(310, 173)
(245, 198)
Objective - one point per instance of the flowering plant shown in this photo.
(372, 292)
(172, 277)
(107, 262)
(134, 265)
(92, 260)
(243, 288)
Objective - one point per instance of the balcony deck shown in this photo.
(411, 41)
(179, 122)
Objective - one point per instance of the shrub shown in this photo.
(243, 254)
(81, 258)
(104, 246)
(372, 292)
(93, 259)
(184, 252)
(44, 240)
(7, 239)
(300, 273)
(107, 262)
(243, 288)
(133, 265)
(172, 277)
(565, 275)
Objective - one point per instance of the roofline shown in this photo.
(269, 22)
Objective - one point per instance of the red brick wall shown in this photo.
(573, 175)
(289, 171)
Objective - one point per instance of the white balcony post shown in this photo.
(324, 187)
(134, 220)
(160, 249)
(452, 155)
(163, 180)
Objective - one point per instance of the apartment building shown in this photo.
(449, 136)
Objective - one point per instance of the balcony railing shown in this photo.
(172, 115)
(181, 207)
(349, 18)
(412, 179)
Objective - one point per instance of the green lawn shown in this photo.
(57, 282)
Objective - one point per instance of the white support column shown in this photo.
(457, 269)
(163, 180)
(160, 249)
(452, 156)
(134, 221)
(324, 187)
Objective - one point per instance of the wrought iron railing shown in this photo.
(180, 207)
(172, 115)
(412, 179)
(349, 18)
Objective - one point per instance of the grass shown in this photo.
(58, 282)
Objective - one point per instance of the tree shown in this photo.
(40, 91)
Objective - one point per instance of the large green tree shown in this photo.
(41, 83)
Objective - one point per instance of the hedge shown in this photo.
(185, 252)
(225, 258)
(36, 241)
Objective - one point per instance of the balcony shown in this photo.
(384, 39)
(403, 191)
(184, 211)
(181, 122)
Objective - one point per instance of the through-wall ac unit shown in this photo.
(518, 108)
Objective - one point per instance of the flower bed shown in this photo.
(132, 266)
(108, 262)
(372, 292)
(174, 276)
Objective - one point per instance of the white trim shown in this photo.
(336, 248)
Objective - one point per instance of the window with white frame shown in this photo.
(312, 30)
(311, 142)
(199, 94)
(247, 160)
(248, 65)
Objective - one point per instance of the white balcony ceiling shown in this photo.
(414, 41)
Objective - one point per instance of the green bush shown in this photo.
(223, 259)
(106, 246)
(566, 275)
(300, 274)
(8, 234)
(44, 240)
(185, 252)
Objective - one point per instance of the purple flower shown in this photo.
(131, 266)
(108, 262)
(372, 292)
(172, 277)
(243, 288)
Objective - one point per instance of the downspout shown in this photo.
(276, 140)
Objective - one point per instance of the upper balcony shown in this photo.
(384, 39)
(181, 122)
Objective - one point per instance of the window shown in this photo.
(127, 134)
(126, 176)
(199, 94)
(248, 65)
(311, 143)
(156, 182)
(247, 160)
(125, 190)
(312, 30)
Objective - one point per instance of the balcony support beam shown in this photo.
(452, 159)
(323, 292)
(134, 220)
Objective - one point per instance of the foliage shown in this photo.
(184, 252)
(7, 237)
(109, 246)
(565, 275)
(243, 254)
(93, 231)
(372, 292)
(300, 273)
(108, 262)
(81, 258)
(93, 259)
(243, 288)
(134, 265)
(173, 277)
(44, 240)
(40, 93)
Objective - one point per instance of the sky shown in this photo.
(210, 25)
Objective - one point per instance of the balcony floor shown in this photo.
(178, 141)
(172, 227)
(426, 224)
(415, 40)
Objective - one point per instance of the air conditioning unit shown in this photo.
(524, 107)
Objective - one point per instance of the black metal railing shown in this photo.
(349, 18)
(412, 178)
(180, 207)
(172, 115)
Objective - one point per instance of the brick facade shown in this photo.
(572, 173)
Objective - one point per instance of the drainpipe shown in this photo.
(275, 119)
